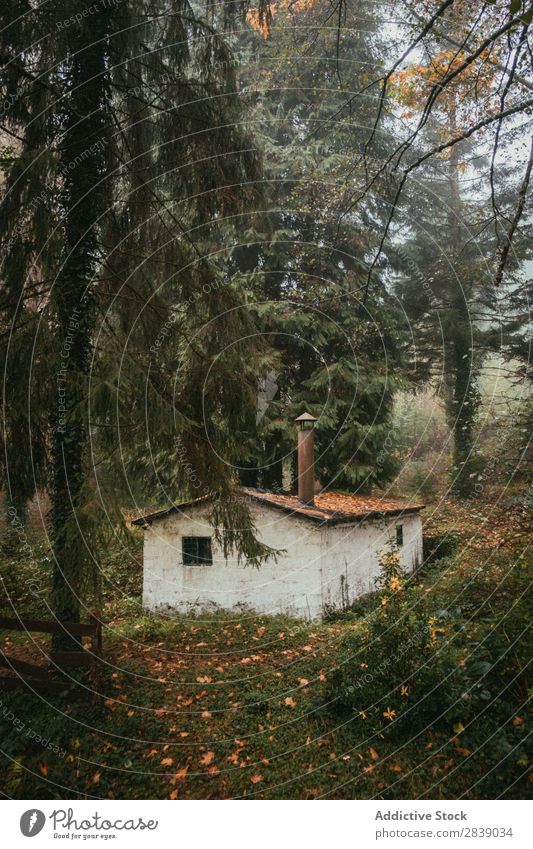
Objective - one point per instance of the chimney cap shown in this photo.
(305, 417)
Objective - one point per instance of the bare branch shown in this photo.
(386, 79)
(455, 43)
(512, 110)
(516, 218)
(439, 87)
(510, 77)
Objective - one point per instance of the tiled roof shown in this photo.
(334, 507)
(330, 507)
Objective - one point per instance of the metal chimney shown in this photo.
(306, 458)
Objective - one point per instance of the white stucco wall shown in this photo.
(292, 585)
(321, 567)
(350, 556)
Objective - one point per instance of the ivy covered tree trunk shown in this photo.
(123, 117)
(82, 153)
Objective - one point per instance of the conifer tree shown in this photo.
(446, 248)
(304, 261)
(82, 162)
(126, 140)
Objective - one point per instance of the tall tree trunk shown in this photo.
(82, 153)
(463, 396)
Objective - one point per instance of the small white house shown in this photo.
(331, 543)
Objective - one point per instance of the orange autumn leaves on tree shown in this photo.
(260, 19)
(459, 99)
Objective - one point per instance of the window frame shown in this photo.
(191, 549)
(399, 536)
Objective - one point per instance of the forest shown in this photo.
(214, 218)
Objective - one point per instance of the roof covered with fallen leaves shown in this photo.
(331, 508)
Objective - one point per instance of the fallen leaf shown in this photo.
(207, 759)
(255, 779)
(373, 754)
(289, 701)
(167, 761)
(181, 774)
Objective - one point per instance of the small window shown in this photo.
(196, 550)
(399, 535)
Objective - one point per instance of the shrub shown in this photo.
(398, 670)
(24, 577)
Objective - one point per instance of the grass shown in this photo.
(231, 707)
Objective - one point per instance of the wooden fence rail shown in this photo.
(37, 677)
(48, 626)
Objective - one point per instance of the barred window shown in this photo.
(399, 535)
(196, 550)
